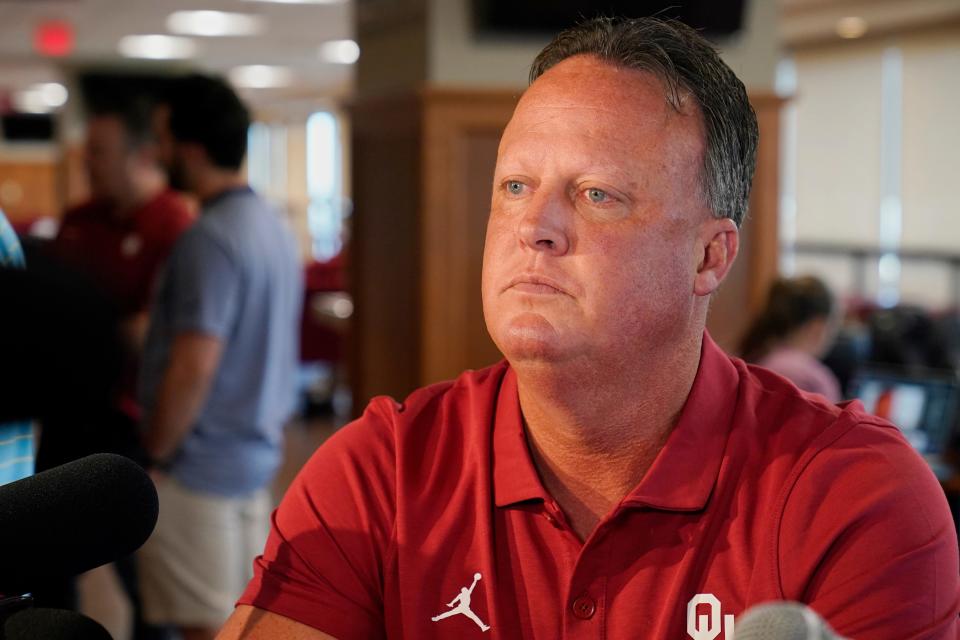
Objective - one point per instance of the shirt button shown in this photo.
(584, 607)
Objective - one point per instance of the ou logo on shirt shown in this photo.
(707, 626)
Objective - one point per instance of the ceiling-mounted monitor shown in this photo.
(715, 18)
(27, 127)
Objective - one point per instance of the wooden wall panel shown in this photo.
(480, 155)
(462, 132)
(43, 186)
(385, 247)
(29, 190)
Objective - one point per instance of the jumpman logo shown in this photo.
(464, 605)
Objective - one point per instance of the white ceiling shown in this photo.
(292, 35)
(814, 22)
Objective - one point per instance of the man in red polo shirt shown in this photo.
(120, 240)
(618, 476)
(124, 233)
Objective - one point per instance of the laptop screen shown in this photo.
(923, 406)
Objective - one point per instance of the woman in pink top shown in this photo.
(792, 332)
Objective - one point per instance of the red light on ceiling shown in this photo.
(53, 38)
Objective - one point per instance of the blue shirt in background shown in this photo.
(16, 438)
(236, 275)
(11, 255)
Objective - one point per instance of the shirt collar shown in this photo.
(514, 477)
(223, 195)
(684, 472)
(105, 212)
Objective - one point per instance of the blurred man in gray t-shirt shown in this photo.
(219, 370)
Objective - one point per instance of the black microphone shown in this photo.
(783, 621)
(72, 518)
(52, 624)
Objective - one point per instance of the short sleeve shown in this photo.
(206, 285)
(165, 224)
(332, 534)
(177, 221)
(867, 541)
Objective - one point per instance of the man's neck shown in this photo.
(212, 183)
(140, 193)
(593, 442)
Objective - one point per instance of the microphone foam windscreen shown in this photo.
(52, 624)
(783, 621)
(72, 518)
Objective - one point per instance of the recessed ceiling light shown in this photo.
(339, 51)
(851, 27)
(53, 93)
(301, 1)
(27, 101)
(260, 76)
(42, 97)
(157, 47)
(214, 23)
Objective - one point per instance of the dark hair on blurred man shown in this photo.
(209, 115)
(219, 372)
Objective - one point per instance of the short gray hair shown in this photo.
(686, 63)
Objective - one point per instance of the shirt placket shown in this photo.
(584, 611)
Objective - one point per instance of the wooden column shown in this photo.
(422, 170)
(462, 131)
(743, 293)
(385, 247)
(386, 157)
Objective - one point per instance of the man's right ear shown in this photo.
(719, 239)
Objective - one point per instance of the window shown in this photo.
(267, 160)
(871, 140)
(325, 209)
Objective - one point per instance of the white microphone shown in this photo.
(783, 621)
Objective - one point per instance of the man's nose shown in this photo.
(546, 224)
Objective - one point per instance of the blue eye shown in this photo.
(597, 196)
(514, 187)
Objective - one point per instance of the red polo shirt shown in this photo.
(124, 255)
(427, 519)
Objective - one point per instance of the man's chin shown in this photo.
(531, 338)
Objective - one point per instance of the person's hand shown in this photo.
(157, 475)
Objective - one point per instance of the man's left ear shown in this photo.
(719, 241)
